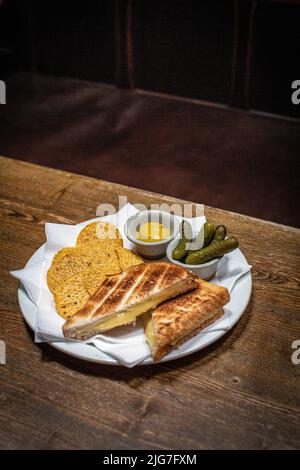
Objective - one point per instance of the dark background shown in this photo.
(241, 53)
(232, 59)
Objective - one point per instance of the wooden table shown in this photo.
(241, 392)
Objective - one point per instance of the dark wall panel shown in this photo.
(183, 47)
(14, 37)
(75, 39)
(275, 57)
(244, 53)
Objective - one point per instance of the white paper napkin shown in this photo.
(128, 349)
(127, 344)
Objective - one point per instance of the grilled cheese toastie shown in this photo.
(175, 321)
(121, 298)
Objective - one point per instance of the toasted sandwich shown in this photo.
(121, 298)
(175, 321)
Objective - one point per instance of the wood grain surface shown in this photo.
(241, 392)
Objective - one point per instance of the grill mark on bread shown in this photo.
(109, 283)
(159, 353)
(122, 291)
(162, 282)
(156, 271)
(120, 294)
(134, 286)
(171, 276)
(185, 314)
(101, 295)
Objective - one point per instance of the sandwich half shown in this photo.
(174, 322)
(121, 298)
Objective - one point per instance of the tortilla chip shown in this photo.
(66, 266)
(71, 296)
(62, 253)
(93, 280)
(128, 258)
(97, 231)
(100, 246)
(77, 272)
(106, 262)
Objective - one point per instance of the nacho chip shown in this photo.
(77, 272)
(93, 280)
(62, 253)
(100, 246)
(97, 231)
(106, 262)
(71, 296)
(67, 265)
(128, 258)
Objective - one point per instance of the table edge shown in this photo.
(146, 191)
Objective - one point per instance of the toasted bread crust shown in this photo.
(178, 317)
(167, 348)
(131, 287)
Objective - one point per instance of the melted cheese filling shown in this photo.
(149, 331)
(130, 315)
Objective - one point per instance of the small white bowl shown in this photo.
(205, 271)
(151, 250)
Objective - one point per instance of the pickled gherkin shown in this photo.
(209, 231)
(186, 232)
(220, 234)
(213, 251)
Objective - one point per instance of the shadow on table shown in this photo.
(136, 376)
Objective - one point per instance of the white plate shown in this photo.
(239, 298)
